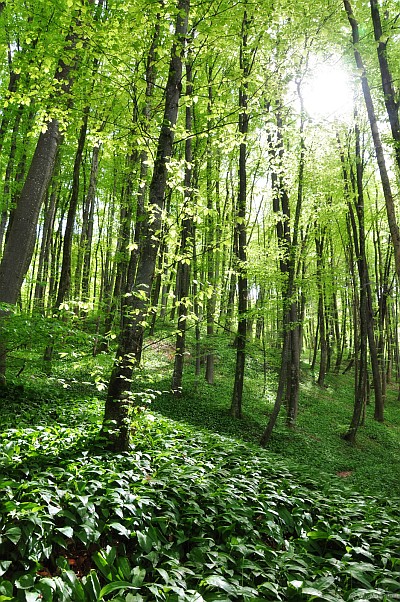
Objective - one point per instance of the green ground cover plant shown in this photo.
(197, 510)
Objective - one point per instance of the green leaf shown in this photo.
(390, 584)
(133, 598)
(221, 583)
(138, 576)
(25, 581)
(311, 591)
(121, 529)
(4, 564)
(76, 586)
(144, 541)
(114, 586)
(359, 576)
(13, 534)
(164, 574)
(296, 583)
(123, 567)
(91, 585)
(6, 588)
(67, 531)
(324, 582)
(103, 565)
(318, 535)
(33, 596)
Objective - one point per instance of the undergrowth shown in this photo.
(196, 511)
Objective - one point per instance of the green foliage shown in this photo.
(183, 516)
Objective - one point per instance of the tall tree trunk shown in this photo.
(22, 235)
(116, 415)
(289, 376)
(21, 239)
(389, 94)
(183, 270)
(82, 271)
(359, 236)
(385, 180)
(113, 290)
(48, 227)
(210, 239)
(319, 245)
(240, 233)
(65, 277)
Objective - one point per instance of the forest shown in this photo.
(199, 300)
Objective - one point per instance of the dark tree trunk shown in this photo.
(289, 377)
(240, 233)
(82, 271)
(389, 92)
(379, 151)
(210, 243)
(65, 277)
(183, 272)
(17, 256)
(113, 288)
(48, 227)
(323, 360)
(116, 415)
(359, 236)
(21, 238)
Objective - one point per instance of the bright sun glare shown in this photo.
(328, 92)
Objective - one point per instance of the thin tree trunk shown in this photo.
(319, 244)
(65, 277)
(389, 92)
(48, 227)
(240, 233)
(210, 240)
(82, 271)
(386, 186)
(186, 242)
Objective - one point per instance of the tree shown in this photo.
(240, 234)
(183, 272)
(116, 415)
(21, 239)
(385, 180)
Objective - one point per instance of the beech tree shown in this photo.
(21, 238)
(116, 416)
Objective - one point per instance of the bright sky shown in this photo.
(328, 92)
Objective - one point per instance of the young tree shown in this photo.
(183, 271)
(240, 234)
(380, 155)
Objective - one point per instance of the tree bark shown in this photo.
(21, 238)
(386, 186)
(116, 415)
(65, 277)
(319, 244)
(389, 93)
(240, 233)
(186, 242)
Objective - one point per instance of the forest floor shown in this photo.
(371, 466)
(197, 511)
